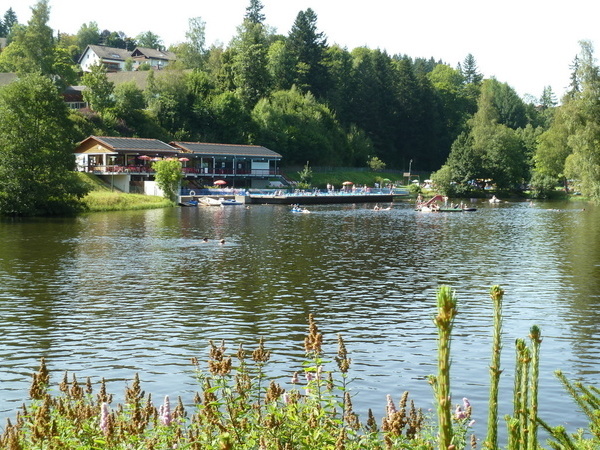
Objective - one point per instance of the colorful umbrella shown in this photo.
(347, 183)
(144, 157)
(184, 159)
(220, 182)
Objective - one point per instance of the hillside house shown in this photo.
(114, 59)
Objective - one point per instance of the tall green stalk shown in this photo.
(516, 423)
(536, 340)
(491, 441)
(446, 304)
(523, 416)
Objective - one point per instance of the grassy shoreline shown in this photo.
(103, 198)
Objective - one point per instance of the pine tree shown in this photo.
(308, 47)
(253, 12)
(470, 71)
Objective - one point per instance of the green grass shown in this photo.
(102, 198)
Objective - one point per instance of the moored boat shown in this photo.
(209, 201)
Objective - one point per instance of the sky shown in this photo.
(528, 44)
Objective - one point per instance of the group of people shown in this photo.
(299, 209)
(205, 241)
(379, 208)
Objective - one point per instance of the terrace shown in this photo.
(129, 160)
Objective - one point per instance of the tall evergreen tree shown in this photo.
(250, 63)
(308, 47)
(10, 20)
(254, 12)
(470, 71)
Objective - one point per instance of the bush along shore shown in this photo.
(238, 406)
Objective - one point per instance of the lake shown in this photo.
(115, 294)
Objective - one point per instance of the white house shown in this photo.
(112, 58)
(156, 58)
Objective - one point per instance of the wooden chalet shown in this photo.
(126, 163)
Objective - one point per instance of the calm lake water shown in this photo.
(111, 295)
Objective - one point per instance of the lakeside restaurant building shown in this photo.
(126, 163)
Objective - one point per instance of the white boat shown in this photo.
(209, 201)
(494, 199)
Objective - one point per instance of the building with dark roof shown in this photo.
(128, 161)
(114, 59)
(157, 59)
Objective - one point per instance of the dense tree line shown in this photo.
(295, 92)
(312, 101)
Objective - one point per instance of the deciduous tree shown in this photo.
(168, 177)
(36, 151)
(99, 90)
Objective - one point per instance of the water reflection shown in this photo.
(118, 293)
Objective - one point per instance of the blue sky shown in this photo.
(528, 44)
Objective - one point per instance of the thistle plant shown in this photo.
(238, 406)
(444, 321)
(536, 340)
(491, 441)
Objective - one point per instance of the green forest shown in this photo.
(328, 105)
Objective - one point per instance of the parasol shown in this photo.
(220, 182)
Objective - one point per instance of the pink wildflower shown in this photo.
(165, 412)
(466, 403)
(391, 408)
(309, 376)
(319, 371)
(104, 418)
(459, 414)
(295, 378)
(286, 398)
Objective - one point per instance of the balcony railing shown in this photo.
(206, 171)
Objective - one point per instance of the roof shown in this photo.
(226, 149)
(123, 144)
(152, 53)
(7, 78)
(140, 78)
(104, 52)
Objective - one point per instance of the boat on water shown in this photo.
(190, 203)
(297, 209)
(433, 206)
(209, 201)
(494, 199)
